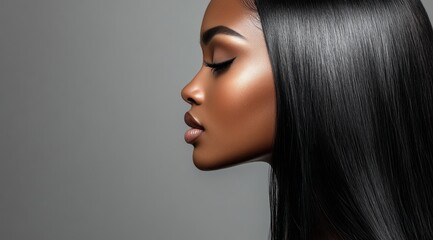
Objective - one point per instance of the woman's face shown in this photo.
(232, 96)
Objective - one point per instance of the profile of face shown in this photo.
(232, 97)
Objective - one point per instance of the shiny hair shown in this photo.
(353, 151)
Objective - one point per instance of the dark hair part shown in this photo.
(353, 152)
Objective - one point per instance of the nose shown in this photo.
(193, 92)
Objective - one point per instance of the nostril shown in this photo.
(191, 101)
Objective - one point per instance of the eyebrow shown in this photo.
(210, 33)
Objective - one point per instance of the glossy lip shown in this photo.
(192, 122)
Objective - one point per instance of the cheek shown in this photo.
(243, 105)
(241, 110)
(244, 99)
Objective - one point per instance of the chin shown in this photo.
(206, 163)
(205, 160)
(204, 166)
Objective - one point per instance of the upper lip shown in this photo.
(192, 122)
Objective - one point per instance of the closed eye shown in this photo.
(219, 67)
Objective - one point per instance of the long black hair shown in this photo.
(353, 152)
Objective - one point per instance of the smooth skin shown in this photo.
(236, 105)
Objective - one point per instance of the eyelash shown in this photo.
(219, 67)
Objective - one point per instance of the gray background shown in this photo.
(91, 127)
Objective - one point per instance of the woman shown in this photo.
(339, 94)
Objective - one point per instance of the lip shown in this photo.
(192, 122)
(196, 130)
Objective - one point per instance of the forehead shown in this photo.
(230, 13)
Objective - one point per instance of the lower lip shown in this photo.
(192, 134)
